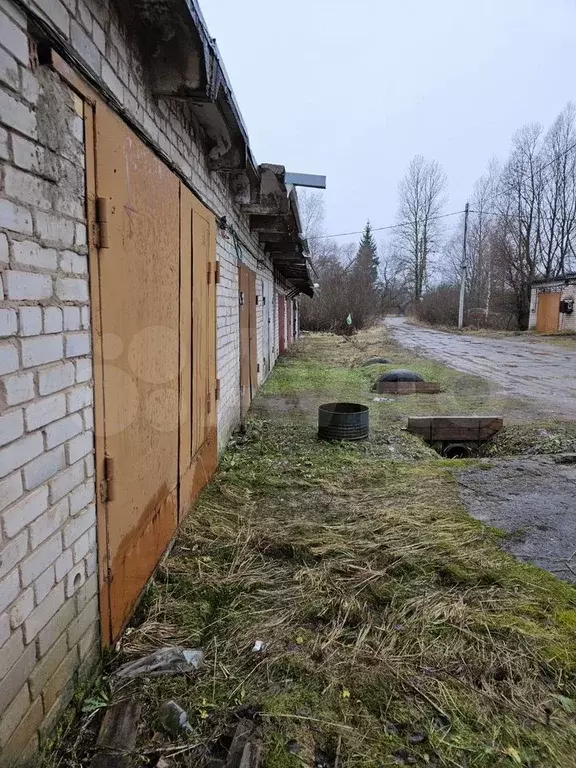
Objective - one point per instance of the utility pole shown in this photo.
(463, 270)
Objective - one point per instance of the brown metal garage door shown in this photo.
(248, 336)
(548, 316)
(198, 429)
(155, 337)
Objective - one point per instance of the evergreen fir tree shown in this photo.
(367, 260)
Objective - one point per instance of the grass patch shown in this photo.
(538, 438)
(396, 630)
(324, 367)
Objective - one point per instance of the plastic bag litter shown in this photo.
(172, 660)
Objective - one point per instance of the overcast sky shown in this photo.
(354, 90)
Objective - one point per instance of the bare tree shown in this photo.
(481, 264)
(559, 195)
(519, 237)
(394, 292)
(422, 197)
(312, 214)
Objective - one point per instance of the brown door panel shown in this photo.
(139, 286)
(548, 317)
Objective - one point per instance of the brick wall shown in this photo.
(568, 322)
(48, 582)
(48, 603)
(94, 29)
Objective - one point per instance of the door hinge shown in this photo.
(217, 272)
(108, 488)
(241, 298)
(102, 221)
(257, 367)
(217, 393)
(208, 402)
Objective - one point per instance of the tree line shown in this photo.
(522, 226)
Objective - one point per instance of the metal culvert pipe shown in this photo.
(343, 421)
(457, 451)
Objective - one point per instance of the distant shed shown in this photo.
(552, 304)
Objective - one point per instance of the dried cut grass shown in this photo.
(396, 630)
(375, 585)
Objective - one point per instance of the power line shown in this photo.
(557, 157)
(389, 226)
(444, 215)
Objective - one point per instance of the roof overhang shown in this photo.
(184, 64)
(274, 217)
(569, 277)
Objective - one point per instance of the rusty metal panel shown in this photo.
(266, 328)
(198, 436)
(139, 289)
(185, 330)
(202, 378)
(282, 321)
(548, 317)
(94, 266)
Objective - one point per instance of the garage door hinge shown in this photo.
(217, 272)
(102, 222)
(217, 389)
(257, 367)
(208, 402)
(241, 295)
(107, 489)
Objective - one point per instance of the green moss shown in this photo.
(566, 619)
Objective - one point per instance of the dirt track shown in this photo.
(526, 369)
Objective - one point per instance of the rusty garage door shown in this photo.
(248, 336)
(198, 431)
(548, 317)
(155, 338)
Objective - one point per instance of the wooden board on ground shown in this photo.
(117, 735)
(407, 387)
(455, 428)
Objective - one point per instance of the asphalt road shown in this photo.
(541, 372)
(532, 500)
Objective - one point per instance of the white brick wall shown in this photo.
(47, 488)
(48, 603)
